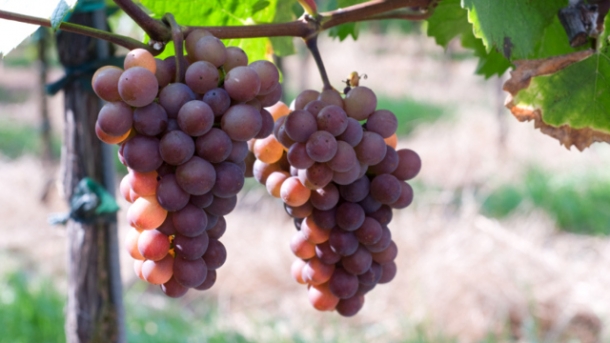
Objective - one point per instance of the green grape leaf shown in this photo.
(55, 10)
(283, 46)
(513, 27)
(345, 30)
(566, 96)
(224, 13)
(449, 21)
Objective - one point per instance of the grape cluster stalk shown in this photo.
(332, 161)
(183, 136)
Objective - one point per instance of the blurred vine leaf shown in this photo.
(345, 30)
(231, 12)
(449, 21)
(566, 95)
(14, 32)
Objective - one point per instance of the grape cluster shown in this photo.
(184, 144)
(332, 161)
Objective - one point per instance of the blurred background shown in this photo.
(506, 240)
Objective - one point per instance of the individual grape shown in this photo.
(321, 146)
(382, 122)
(236, 57)
(268, 75)
(371, 149)
(173, 288)
(325, 198)
(325, 219)
(409, 164)
(109, 139)
(383, 215)
(255, 103)
(360, 103)
(267, 124)
(138, 86)
(383, 243)
(167, 227)
(172, 125)
(300, 125)
(358, 262)
(370, 232)
(210, 279)
(105, 83)
(326, 254)
(345, 178)
(176, 147)
(272, 97)
(144, 184)
(314, 107)
(389, 163)
(302, 248)
(371, 276)
(212, 220)
(146, 213)
(321, 298)
(229, 180)
(197, 176)
(217, 230)
(216, 255)
(115, 118)
(241, 122)
(166, 169)
(385, 188)
(315, 272)
(278, 110)
(343, 284)
(249, 162)
(387, 255)
(350, 216)
(331, 97)
(242, 83)
(158, 272)
(140, 58)
(343, 242)
(218, 99)
(190, 221)
(299, 212)
(150, 120)
(405, 198)
(332, 119)
(222, 206)
(344, 159)
(131, 243)
(388, 272)
(195, 118)
(315, 177)
(190, 273)
(190, 41)
(125, 189)
(262, 170)
(201, 77)
(298, 157)
(165, 72)
(141, 153)
(392, 141)
(170, 195)
(353, 133)
(211, 49)
(137, 268)
(239, 151)
(355, 191)
(313, 233)
(293, 192)
(173, 96)
(215, 146)
(268, 150)
(369, 205)
(304, 98)
(350, 306)
(296, 269)
(280, 134)
(274, 182)
(153, 245)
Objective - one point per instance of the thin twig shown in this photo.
(312, 45)
(154, 28)
(120, 40)
(178, 39)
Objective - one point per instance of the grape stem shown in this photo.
(312, 45)
(161, 32)
(178, 39)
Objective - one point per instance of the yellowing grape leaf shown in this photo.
(565, 96)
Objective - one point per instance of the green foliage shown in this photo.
(231, 12)
(578, 203)
(411, 113)
(20, 139)
(449, 21)
(513, 27)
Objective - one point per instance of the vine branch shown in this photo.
(155, 29)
